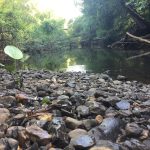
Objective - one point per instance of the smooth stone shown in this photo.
(147, 103)
(147, 144)
(100, 93)
(3, 128)
(42, 93)
(37, 134)
(77, 99)
(55, 149)
(135, 144)
(105, 76)
(8, 101)
(117, 82)
(111, 100)
(107, 130)
(105, 145)
(69, 147)
(83, 110)
(101, 80)
(4, 115)
(58, 130)
(72, 123)
(22, 98)
(99, 119)
(17, 120)
(96, 107)
(89, 123)
(123, 105)
(18, 133)
(121, 78)
(10, 84)
(71, 84)
(83, 141)
(91, 92)
(132, 129)
(77, 132)
(8, 144)
(63, 97)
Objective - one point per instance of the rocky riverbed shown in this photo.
(73, 111)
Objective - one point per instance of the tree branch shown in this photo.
(138, 38)
(137, 56)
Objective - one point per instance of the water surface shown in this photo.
(99, 60)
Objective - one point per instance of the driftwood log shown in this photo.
(138, 38)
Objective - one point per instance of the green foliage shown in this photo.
(107, 18)
(141, 6)
(45, 100)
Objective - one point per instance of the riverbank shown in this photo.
(74, 111)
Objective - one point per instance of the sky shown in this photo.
(61, 8)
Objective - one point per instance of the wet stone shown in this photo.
(71, 84)
(4, 115)
(105, 145)
(89, 123)
(77, 132)
(18, 133)
(123, 105)
(8, 144)
(147, 103)
(135, 144)
(83, 110)
(37, 134)
(72, 123)
(107, 130)
(132, 129)
(57, 129)
(82, 142)
(8, 101)
(121, 78)
(63, 97)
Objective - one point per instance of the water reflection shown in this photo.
(76, 68)
(98, 61)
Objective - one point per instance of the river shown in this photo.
(99, 60)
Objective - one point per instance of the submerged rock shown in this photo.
(123, 104)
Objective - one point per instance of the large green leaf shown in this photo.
(13, 52)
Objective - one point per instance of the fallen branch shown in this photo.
(138, 38)
(120, 43)
(137, 56)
